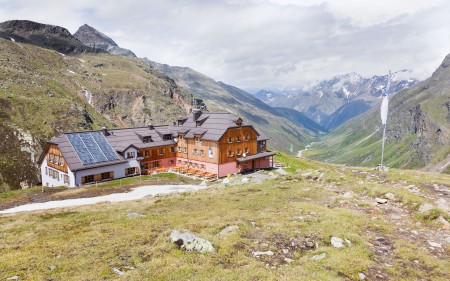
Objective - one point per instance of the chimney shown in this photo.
(105, 131)
(151, 127)
(196, 114)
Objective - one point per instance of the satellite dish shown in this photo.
(175, 139)
(244, 154)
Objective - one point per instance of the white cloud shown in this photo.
(264, 43)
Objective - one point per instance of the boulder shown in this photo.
(337, 242)
(389, 196)
(425, 207)
(381, 200)
(434, 244)
(347, 195)
(191, 243)
(227, 230)
(266, 253)
(318, 257)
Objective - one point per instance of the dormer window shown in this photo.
(147, 139)
(239, 122)
(198, 123)
(197, 138)
(180, 136)
(130, 155)
(167, 137)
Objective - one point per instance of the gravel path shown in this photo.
(134, 194)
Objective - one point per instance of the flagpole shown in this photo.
(382, 147)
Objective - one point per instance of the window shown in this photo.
(238, 139)
(180, 136)
(167, 137)
(56, 159)
(179, 162)
(197, 138)
(198, 123)
(202, 166)
(246, 150)
(130, 171)
(61, 161)
(66, 179)
(179, 149)
(247, 137)
(185, 149)
(230, 139)
(194, 151)
(202, 152)
(171, 162)
(147, 139)
(130, 155)
(230, 153)
(161, 151)
(238, 151)
(106, 176)
(146, 153)
(50, 173)
(51, 157)
(89, 178)
(172, 149)
(155, 164)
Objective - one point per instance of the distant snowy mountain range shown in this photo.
(334, 101)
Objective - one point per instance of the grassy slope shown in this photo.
(418, 130)
(85, 243)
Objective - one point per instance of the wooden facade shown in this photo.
(55, 159)
(157, 153)
(235, 142)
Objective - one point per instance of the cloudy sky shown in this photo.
(256, 44)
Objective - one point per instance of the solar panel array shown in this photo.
(92, 147)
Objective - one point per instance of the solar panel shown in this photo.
(92, 147)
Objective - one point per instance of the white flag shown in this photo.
(384, 110)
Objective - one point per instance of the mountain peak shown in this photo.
(91, 36)
(94, 38)
(44, 35)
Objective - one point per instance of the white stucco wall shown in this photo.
(47, 180)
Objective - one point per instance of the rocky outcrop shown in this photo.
(97, 40)
(43, 35)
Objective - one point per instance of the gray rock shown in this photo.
(118, 271)
(389, 196)
(348, 195)
(415, 232)
(425, 207)
(52, 267)
(337, 242)
(271, 174)
(361, 276)
(17, 277)
(245, 180)
(434, 244)
(447, 240)
(227, 230)
(266, 253)
(442, 203)
(300, 218)
(226, 181)
(381, 200)
(395, 217)
(281, 171)
(135, 215)
(349, 243)
(189, 242)
(288, 260)
(318, 257)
